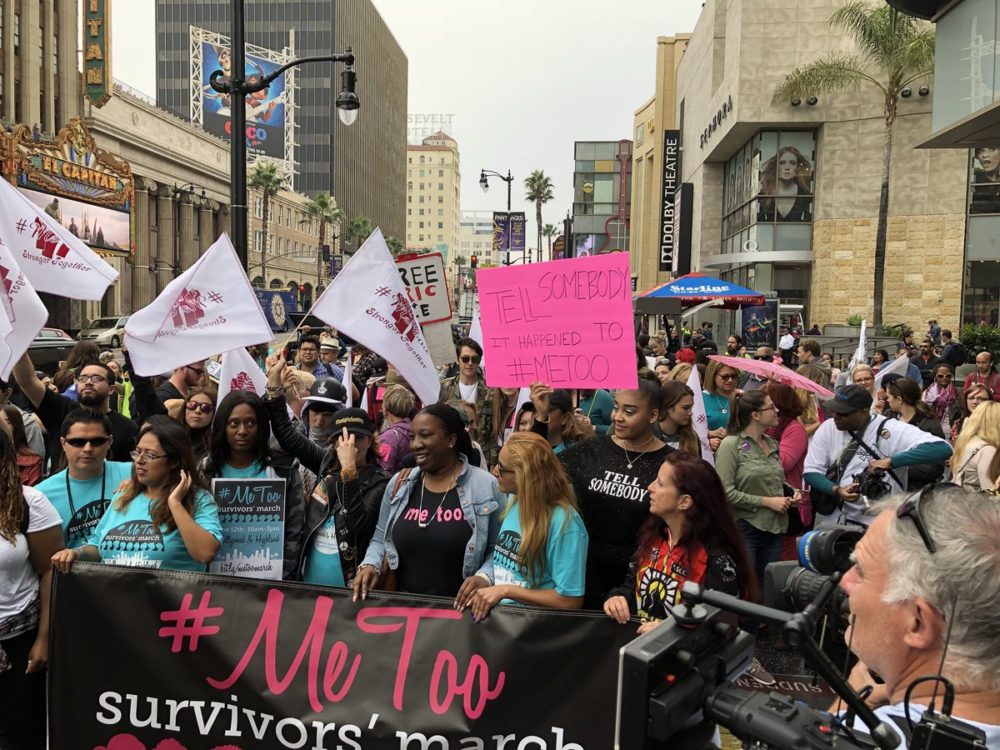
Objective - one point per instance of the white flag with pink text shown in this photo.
(23, 312)
(210, 308)
(239, 372)
(369, 302)
(51, 257)
(699, 418)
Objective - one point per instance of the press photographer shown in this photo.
(857, 458)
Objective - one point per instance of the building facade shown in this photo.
(654, 118)
(363, 164)
(295, 260)
(39, 82)
(786, 194)
(602, 188)
(433, 196)
(476, 238)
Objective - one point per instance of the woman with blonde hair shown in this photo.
(976, 462)
(540, 556)
(681, 372)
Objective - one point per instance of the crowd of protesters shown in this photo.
(600, 500)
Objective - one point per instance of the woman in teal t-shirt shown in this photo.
(162, 518)
(240, 449)
(540, 557)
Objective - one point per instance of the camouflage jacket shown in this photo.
(450, 391)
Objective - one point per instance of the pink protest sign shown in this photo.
(567, 323)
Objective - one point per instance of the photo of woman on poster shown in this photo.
(785, 187)
(986, 180)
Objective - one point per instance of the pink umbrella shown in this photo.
(767, 369)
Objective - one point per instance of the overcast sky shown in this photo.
(523, 79)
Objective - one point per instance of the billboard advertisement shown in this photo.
(101, 228)
(88, 191)
(269, 113)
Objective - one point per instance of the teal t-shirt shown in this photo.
(323, 559)
(599, 407)
(564, 568)
(253, 471)
(128, 537)
(81, 504)
(717, 410)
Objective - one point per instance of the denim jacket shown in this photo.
(481, 501)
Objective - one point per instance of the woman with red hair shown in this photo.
(690, 535)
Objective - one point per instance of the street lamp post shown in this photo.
(237, 88)
(484, 182)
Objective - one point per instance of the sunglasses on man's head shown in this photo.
(97, 442)
(911, 509)
(470, 360)
(203, 408)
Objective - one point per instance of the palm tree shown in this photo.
(359, 228)
(324, 209)
(539, 190)
(395, 244)
(895, 50)
(549, 231)
(265, 178)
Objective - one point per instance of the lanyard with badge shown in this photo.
(83, 522)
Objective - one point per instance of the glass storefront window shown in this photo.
(985, 180)
(981, 292)
(768, 187)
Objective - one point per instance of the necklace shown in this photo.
(639, 454)
(423, 486)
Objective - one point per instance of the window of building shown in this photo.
(440, 212)
(421, 186)
(768, 193)
(422, 171)
(422, 159)
(409, 199)
(421, 199)
(258, 208)
(258, 240)
(440, 173)
(421, 212)
(982, 273)
(440, 238)
(440, 225)
(17, 33)
(409, 212)
(440, 186)
(640, 132)
(409, 185)
(440, 199)
(420, 238)
(421, 225)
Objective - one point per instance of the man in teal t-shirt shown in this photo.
(565, 554)
(82, 491)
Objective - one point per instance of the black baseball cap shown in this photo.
(326, 394)
(356, 421)
(849, 399)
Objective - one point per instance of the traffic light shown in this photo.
(474, 261)
(302, 289)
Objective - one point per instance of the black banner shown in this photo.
(203, 662)
(671, 182)
(683, 214)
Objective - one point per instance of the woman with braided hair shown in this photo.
(30, 533)
(438, 523)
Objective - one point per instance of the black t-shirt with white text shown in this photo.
(614, 502)
(431, 542)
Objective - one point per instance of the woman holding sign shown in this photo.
(163, 517)
(340, 514)
(240, 449)
(610, 475)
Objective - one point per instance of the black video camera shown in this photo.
(791, 586)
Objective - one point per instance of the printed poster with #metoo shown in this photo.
(567, 323)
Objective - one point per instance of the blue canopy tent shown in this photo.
(674, 296)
